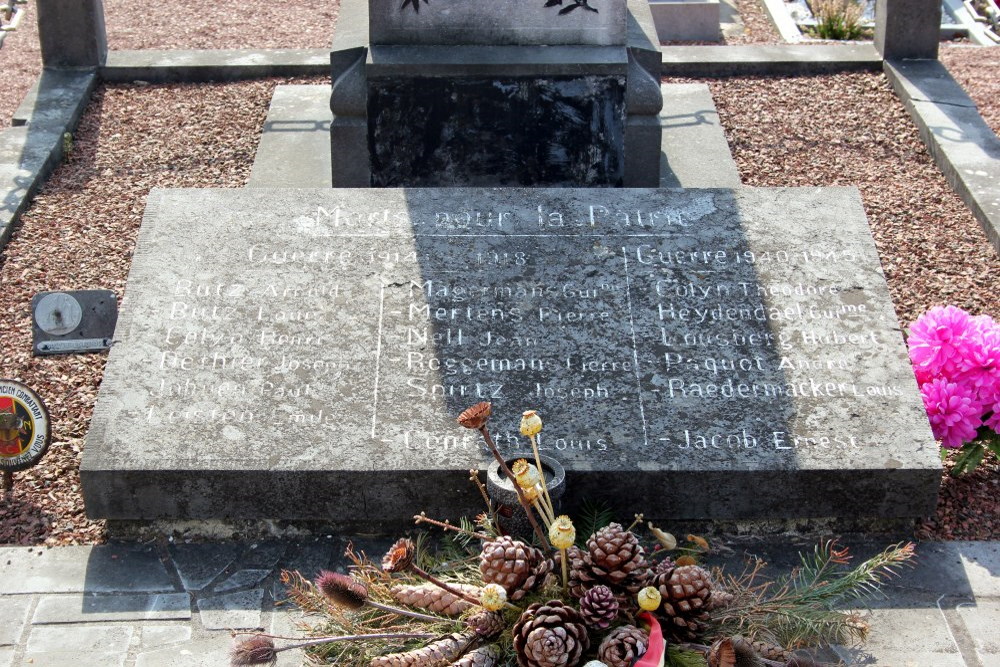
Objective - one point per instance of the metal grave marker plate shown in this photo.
(73, 321)
(711, 353)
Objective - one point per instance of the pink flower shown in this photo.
(938, 340)
(978, 366)
(954, 412)
(994, 421)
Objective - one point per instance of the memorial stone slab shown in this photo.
(720, 354)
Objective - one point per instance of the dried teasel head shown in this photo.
(476, 416)
(342, 590)
(257, 650)
(400, 556)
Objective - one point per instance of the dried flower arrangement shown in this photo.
(485, 599)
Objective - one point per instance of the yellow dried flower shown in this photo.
(493, 597)
(562, 533)
(649, 598)
(531, 423)
(525, 474)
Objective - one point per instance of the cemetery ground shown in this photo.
(845, 129)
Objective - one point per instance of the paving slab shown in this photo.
(694, 153)
(59, 645)
(982, 620)
(14, 612)
(6, 656)
(917, 637)
(100, 569)
(201, 653)
(294, 149)
(981, 565)
(159, 636)
(233, 610)
(242, 579)
(120, 608)
(200, 564)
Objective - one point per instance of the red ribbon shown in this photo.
(653, 657)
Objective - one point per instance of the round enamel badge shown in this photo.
(24, 427)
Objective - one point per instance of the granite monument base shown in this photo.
(698, 354)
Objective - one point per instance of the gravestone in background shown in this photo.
(706, 354)
(495, 92)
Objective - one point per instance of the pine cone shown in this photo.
(623, 646)
(550, 634)
(665, 566)
(484, 656)
(486, 623)
(720, 599)
(442, 651)
(434, 599)
(770, 651)
(613, 558)
(518, 567)
(686, 592)
(598, 607)
(733, 652)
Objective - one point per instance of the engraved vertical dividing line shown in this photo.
(378, 355)
(635, 349)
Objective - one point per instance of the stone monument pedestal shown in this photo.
(488, 93)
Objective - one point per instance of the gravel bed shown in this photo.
(850, 129)
(977, 68)
(80, 233)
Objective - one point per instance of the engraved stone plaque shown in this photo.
(704, 353)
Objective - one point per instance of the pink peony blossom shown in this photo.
(954, 412)
(939, 339)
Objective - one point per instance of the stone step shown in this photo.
(294, 149)
(694, 151)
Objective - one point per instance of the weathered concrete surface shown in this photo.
(782, 59)
(31, 150)
(497, 22)
(72, 34)
(294, 149)
(695, 153)
(163, 66)
(964, 147)
(311, 353)
(907, 29)
(687, 20)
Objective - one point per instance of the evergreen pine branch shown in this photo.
(594, 515)
(800, 609)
